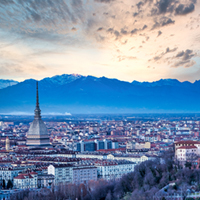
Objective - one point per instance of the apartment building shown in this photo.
(95, 145)
(9, 172)
(26, 180)
(113, 169)
(62, 173)
(186, 143)
(83, 174)
(187, 153)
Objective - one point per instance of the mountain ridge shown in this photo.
(7, 82)
(89, 94)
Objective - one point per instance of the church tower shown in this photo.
(37, 134)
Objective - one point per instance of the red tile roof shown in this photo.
(187, 147)
(20, 177)
(187, 142)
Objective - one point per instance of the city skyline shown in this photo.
(141, 40)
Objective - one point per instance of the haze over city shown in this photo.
(129, 40)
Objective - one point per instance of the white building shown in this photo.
(186, 143)
(186, 153)
(63, 173)
(8, 173)
(91, 155)
(25, 181)
(83, 174)
(183, 131)
(113, 169)
(133, 158)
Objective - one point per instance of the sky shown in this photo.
(143, 40)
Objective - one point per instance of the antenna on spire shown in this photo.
(37, 96)
(37, 109)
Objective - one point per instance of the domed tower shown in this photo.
(37, 134)
(7, 144)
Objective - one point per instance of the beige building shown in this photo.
(142, 145)
(7, 144)
(138, 145)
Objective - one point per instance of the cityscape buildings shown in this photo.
(42, 154)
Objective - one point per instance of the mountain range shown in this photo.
(6, 83)
(88, 94)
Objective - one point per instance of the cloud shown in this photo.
(144, 27)
(36, 17)
(135, 14)
(74, 29)
(104, 1)
(100, 29)
(164, 21)
(184, 59)
(134, 31)
(140, 4)
(160, 56)
(124, 32)
(164, 5)
(77, 3)
(159, 33)
(187, 54)
(121, 58)
(6, 2)
(171, 6)
(184, 9)
(167, 21)
(168, 50)
(186, 63)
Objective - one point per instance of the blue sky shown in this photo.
(143, 40)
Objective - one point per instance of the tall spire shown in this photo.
(37, 108)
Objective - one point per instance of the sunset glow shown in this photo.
(129, 40)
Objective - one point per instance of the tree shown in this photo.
(109, 196)
(4, 184)
(9, 184)
(188, 165)
(184, 188)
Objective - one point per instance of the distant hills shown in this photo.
(88, 94)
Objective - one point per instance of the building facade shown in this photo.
(83, 174)
(187, 153)
(45, 180)
(95, 145)
(25, 181)
(63, 173)
(186, 143)
(113, 170)
(8, 173)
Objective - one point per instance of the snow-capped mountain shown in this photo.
(6, 83)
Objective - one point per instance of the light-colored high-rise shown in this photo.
(7, 144)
